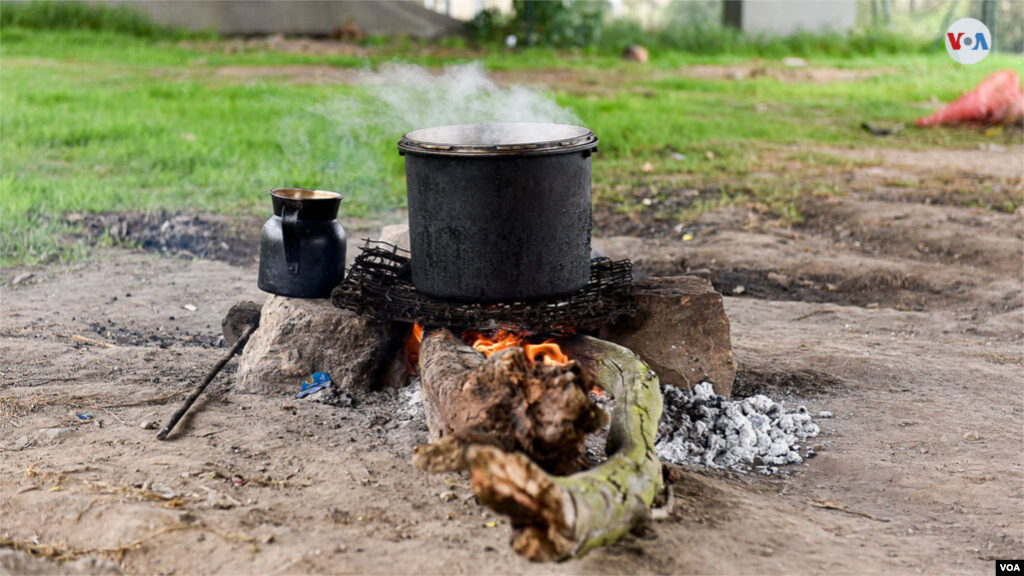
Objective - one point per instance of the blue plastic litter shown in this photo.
(83, 416)
(315, 383)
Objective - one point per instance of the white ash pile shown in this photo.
(700, 428)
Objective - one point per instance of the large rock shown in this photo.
(298, 337)
(396, 234)
(681, 330)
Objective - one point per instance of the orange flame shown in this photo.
(550, 353)
(412, 349)
(547, 352)
(501, 340)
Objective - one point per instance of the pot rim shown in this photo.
(304, 194)
(430, 141)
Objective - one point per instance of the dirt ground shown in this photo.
(577, 82)
(901, 313)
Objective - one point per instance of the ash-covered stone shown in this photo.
(701, 428)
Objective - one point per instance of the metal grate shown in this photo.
(379, 284)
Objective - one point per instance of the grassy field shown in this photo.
(99, 121)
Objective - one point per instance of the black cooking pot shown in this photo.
(302, 246)
(499, 212)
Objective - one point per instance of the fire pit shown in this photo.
(497, 308)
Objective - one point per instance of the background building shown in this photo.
(644, 11)
(788, 16)
(465, 10)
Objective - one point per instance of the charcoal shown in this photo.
(701, 428)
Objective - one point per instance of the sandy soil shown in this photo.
(905, 319)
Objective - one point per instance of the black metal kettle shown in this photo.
(302, 246)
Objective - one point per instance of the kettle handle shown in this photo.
(289, 221)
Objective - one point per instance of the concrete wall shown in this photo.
(788, 16)
(299, 17)
(243, 17)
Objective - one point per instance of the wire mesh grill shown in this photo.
(379, 284)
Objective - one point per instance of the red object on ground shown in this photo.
(997, 99)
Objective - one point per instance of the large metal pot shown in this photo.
(499, 212)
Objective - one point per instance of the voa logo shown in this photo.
(968, 41)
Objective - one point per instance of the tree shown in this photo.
(559, 23)
(988, 16)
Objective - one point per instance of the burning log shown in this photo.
(506, 401)
(554, 517)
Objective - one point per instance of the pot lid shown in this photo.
(498, 139)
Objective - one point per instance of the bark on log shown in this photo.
(503, 401)
(556, 518)
(559, 517)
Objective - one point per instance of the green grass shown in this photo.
(66, 16)
(710, 38)
(101, 120)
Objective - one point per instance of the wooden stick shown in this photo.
(162, 434)
(84, 340)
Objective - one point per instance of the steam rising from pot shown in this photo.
(347, 142)
(412, 97)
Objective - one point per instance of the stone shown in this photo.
(22, 278)
(298, 337)
(16, 562)
(55, 435)
(238, 318)
(636, 53)
(681, 330)
(396, 234)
